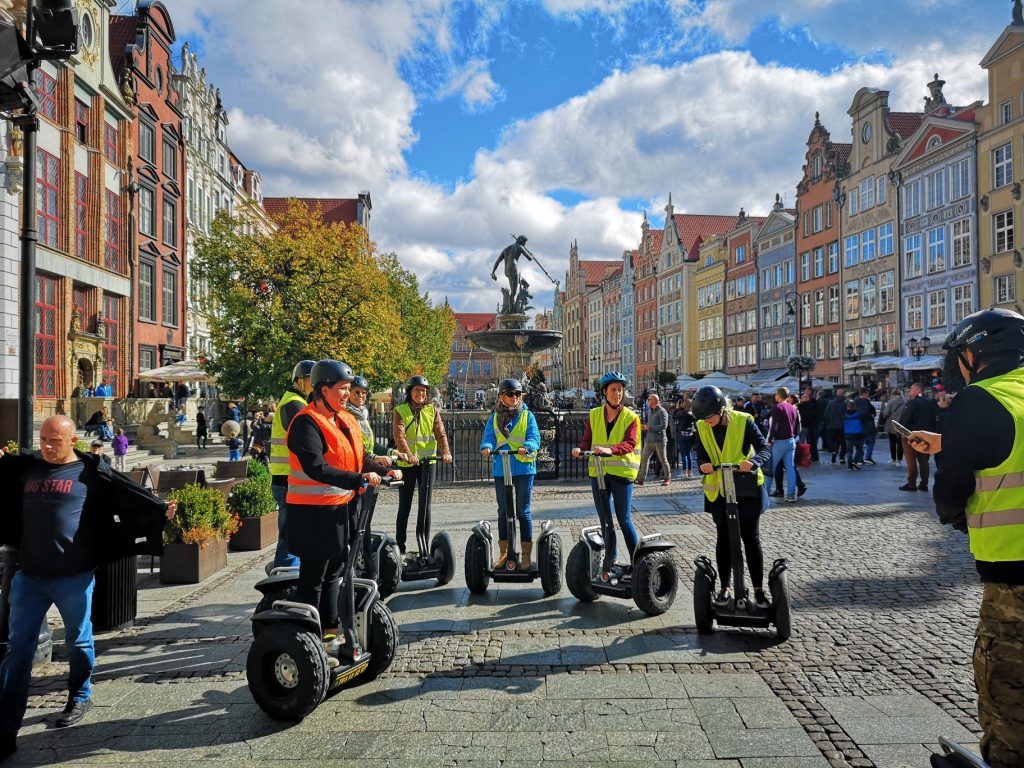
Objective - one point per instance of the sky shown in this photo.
(470, 121)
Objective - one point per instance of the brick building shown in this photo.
(471, 367)
(741, 297)
(645, 303)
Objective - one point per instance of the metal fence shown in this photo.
(560, 435)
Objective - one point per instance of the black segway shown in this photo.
(436, 561)
(650, 580)
(547, 565)
(378, 556)
(955, 756)
(288, 669)
(741, 610)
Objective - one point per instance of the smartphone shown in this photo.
(900, 428)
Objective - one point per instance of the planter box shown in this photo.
(188, 564)
(255, 533)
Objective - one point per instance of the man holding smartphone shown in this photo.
(979, 490)
(917, 416)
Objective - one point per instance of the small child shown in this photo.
(234, 444)
(120, 446)
(180, 418)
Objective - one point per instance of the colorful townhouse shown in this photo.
(709, 283)
(777, 299)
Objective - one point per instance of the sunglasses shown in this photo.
(512, 394)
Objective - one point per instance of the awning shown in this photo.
(926, 362)
(183, 370)
(880, 363)
(766, 377)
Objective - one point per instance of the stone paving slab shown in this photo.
(899, 719)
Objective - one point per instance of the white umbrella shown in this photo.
(182, 370)
(723, 382)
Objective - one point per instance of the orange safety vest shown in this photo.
(345, 453)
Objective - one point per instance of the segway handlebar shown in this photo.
(507, 452)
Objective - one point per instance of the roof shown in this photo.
(656, 237)
(476, 321)
(842, 150)
(334, 210)
(595, 272)
(904, 124)
(122, 34)
(695, 227)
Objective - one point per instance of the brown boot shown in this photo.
(502, 555)
(524, 563)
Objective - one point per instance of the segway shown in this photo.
(740, 611)
(288, 669)
(955, 756)
(547, 565)
(377, 557)
(436, 561)
(650, 580)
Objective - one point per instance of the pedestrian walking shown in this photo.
(808, 410)
(685, 424)
(234, 444)
(655, 440)
(868, 415)
(120, 448)
(835, 421)
(784, 426)
(917, 416)
(853, 435)
(890, 413)
(201, 430)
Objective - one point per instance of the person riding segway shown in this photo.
(512, 437)
(730, 453)
(611, 442)
(327, 466)
(418, 434)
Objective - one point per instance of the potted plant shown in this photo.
(253, 503)
(195, 541)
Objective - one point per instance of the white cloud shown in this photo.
(475, 84)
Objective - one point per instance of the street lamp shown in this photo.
(659, 342)
(918, 348)
(854, 355)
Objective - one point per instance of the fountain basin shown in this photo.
(523, 340)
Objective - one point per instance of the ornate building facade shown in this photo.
(741, 297)
(777, 299)
(709, 281)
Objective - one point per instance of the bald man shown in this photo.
(66, 512)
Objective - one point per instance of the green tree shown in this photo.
(305, 290)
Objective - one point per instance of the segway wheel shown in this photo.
(382, 642)
(477, 577)
(655, 582)
(780, 601)
(441, 549)
(577, 574)
(550, 564)
(703, 593)
(390, 572)
(287, 671)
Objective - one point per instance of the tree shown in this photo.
(666, 378)
(307, 290)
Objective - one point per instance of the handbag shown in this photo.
(803, 455)
(746, 485)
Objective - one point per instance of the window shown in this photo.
(828, 215)
(887, 342)
(752, 283)
(870, 340)
(936, 250)
(740, 253)
(730, 324)
(741, 288)
(869, 296)
(851, 251)
(816, 218)
(963, 301)
(1005, 112)
(779, 279)
(192, 201)
(81, 215)
(147, 358)
(147, 146)
(1002, 166)
(880, 190)
(1006, 289)
(147, 216)
(752, 319)
(805, 310)
(83, 299)
(914, 314)
(867, 193)
(833, 344)
(853, 198)
(807, 223)
(169, 293)
(936, 189)
(852, 300)
(912, 198)
(833, 259)
(833, 303)
(46, 90)
(819, 307)
(147, 286)
(110, 142)
(805, 266)
(112, 233)
(47, 197)
(82, 121)
(170, 222)
(46, 336)
(111, 348)
(702, 360)
(961, 243)
(867, 245)
(885, 239)
(887, 292)
(1002, 223)
(819, 346)
(960, 179)
(170, 160)
(789, 272)
(912, 256)
(937, 309)
(766, 279)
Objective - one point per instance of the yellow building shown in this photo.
(1001, 128)
(709, 288)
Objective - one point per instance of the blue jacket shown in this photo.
(853, 425)
(532, 444)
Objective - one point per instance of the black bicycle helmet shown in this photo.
(302, 369)
(415, 381)
(361, 382)
(707, 401)
(988, 333)
(510, 385)
(612, 377)
(327, 373)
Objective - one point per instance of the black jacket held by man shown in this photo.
(123, 517)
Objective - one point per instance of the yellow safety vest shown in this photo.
(516, 438)
(995, 511)
(626, 465)
(731, 453)
(279, 435)
(419, 431)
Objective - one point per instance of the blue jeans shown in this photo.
(854, 449)
(869, 445)
(684, 449)
(784, 451)
(31, 598)
(281, 557)
(618, 494)
(523, 485)
(234, 455)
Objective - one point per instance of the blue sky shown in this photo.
(561, 119)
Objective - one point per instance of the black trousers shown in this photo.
(895, 447)
(410, 477)
(751, 538)
(319, 585)
(837, 440)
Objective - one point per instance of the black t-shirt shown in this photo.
(54, 542)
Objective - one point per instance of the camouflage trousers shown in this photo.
(999, 675)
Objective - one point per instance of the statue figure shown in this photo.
(523, 301)
(510, 255)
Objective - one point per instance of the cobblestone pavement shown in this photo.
(885, 602)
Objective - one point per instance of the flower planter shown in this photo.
(255, 533)
(188, 564)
